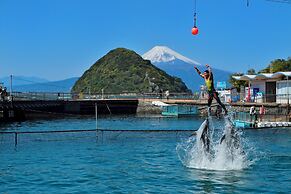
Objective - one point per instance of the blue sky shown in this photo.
(56, 39)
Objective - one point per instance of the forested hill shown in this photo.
(278, 65)
(123, 70)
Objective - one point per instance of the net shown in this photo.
(16, 138)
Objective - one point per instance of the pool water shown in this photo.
(136, 162)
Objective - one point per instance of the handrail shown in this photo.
(77, 96)
(238, 97)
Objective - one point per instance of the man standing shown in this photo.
(209, 82)
(252, 112)
(262, 112)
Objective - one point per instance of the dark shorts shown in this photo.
(211, 93)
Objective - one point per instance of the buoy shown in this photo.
(195, 30)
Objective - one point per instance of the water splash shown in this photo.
(227, 149)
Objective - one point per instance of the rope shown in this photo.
(98, 130)
(108, 108)
(280, 1)
(43, 83)
(195, 13)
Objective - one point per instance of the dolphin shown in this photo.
(231, 136)
(205, 135)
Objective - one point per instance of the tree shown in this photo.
(278, 65)
(251, 72)
(237, 83)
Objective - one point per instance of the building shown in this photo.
(267, 87)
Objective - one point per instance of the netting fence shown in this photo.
(19, 137)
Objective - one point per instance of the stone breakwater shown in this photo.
(146, 107)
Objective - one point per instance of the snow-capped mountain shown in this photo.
(163, 54)
(180, 66)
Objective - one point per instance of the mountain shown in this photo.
(123, 70)
(164, 54)
(53, 86)
(180, 66)
(21, 80)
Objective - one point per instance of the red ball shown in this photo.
(195, 30)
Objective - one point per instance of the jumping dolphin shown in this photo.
(231, 135)
(205, 135)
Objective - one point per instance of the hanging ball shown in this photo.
(194, 30)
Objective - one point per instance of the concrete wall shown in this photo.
(282, 90)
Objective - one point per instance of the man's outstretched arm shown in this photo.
(209, 69)
(199, 72)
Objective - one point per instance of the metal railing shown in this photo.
(239, 97)
(41, 96)
(262, 98)
(245, 116)
(82, 96)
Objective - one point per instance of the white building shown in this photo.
(268, 87)
(225, 95)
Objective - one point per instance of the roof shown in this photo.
(263, 76)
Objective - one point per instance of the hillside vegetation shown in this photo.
(123, 70)
(278, 65)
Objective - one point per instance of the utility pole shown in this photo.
(11, 88)
(96, 115)
(90, 87)
(287, 95)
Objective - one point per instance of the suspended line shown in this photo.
(44, 83)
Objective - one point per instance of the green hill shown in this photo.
(123, 70)
(278, 65)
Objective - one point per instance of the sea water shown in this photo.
(138, 163)
(224, 149)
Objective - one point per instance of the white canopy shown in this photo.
(263, 76)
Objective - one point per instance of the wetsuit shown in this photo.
(212, 93)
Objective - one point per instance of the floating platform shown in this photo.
(243, 124)
(180, 110)
(249, 125)
(274, 124)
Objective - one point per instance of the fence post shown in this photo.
(287, 115)
(15, 139)
(11, 87)
(96, 115)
